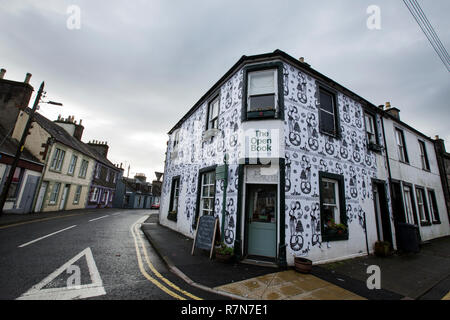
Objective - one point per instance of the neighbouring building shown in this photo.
(290, 162)
(68, 163)
(15, 96)
(416, 188)
(443, 158)
(134, 193)
(105, 176)
(26, 176)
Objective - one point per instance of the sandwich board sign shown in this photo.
(205, 234)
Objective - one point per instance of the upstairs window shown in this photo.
(424, 156)
(83, 169)
(58, 158)
(327, 113)
(369, 123)
(401, 147)
(176, 139)
(213, 114)
(73, 163)
(262, 94)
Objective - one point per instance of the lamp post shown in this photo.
(21, 146)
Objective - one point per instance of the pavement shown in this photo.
(425, 275)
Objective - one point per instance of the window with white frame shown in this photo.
(422, 205)
(409, 210)
(208, 190)
(327, 112)
(72, 165)
(401, 147)
(97, 170)
(434, 213)
(83, 168)
(76, 198)
(332, 207)
(108, 173)
(262, 90)
(369, 123)
(55, 193)
(58, 159)
(94, 194)
(424, 156)
(213, 114)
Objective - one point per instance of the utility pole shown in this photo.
(20, 149)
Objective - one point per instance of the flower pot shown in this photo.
(302, 265)
(382, 249)
(225, 258)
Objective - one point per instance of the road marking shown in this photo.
(49, 235)
(99, 218)
(136, 236)
(68, 293)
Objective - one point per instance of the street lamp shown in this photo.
(22, 144)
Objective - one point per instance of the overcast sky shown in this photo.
(134, 68)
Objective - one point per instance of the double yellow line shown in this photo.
(173, 289)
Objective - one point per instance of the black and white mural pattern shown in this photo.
(307, 152)
(194, 153)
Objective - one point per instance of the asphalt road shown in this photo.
(100, 255)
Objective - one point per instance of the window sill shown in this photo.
(375, 147)
(425, 223)
(256, 115)
(333, 135)
(436, 222)
(334, 237)
(208, 134)
(172, 215)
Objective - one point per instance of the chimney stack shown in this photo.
(2, 73)
(27, 78)
(393, 111)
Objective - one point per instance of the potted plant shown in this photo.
(224, 253)
(302, 265)
(382, 248)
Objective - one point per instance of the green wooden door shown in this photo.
(262, 217)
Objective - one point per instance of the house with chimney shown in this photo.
(14, 97)
(104, 179)
(417, 183)
(293, 164)
(68, 162)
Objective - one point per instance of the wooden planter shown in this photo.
(382, 249)
(302, 265)
(225, 258)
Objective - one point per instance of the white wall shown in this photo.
(414, 174)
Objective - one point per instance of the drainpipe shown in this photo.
(224, 200)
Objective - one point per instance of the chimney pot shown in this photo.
(302, 59)
(2, 73)
(388, 105)
(436, 137)
(27, 78)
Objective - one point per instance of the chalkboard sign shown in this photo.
(205, 234)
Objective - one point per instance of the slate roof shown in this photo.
(62, 136)
(9, 146)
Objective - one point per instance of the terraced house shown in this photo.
(290, 162)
